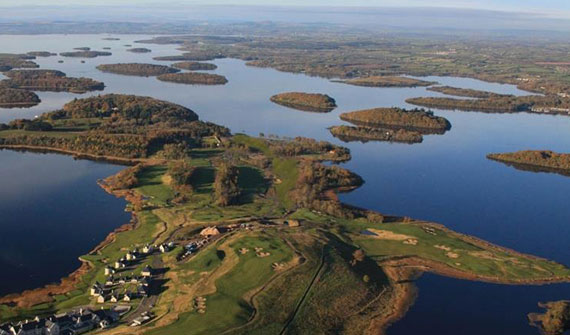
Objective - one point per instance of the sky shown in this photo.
(505, 5)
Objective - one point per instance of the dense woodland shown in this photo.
(193, 78)
(315, 179)
(499, 104)
(365, 134)
(11, 97)
(415, 119)
(120, 107)
(465, 92)
(41, 53)
(308, 146)
(195, 55)
(139, 50)
(195, 66)
(387, 81)
(538, 158)
(13, 61)
(312, 102)
(226, 189)
(85, 54)
(122, 126)
(126, 178)
(49, 80)
(137, 69)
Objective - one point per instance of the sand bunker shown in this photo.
(388, 235)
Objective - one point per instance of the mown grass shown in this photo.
(151, 185)
(472, 257)
(286, 170)
(226, 308)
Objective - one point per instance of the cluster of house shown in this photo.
(127, 287)
(115, 288)
(136, 254)
(71, 323)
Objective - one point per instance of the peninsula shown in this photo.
(555, 320)
(536, 160)
(194, 78)
(137, 69)
(224, 223)
(310, 102)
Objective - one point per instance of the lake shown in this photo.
(51, 212)
(446, 179)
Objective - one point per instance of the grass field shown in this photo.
(453, 250)
(152, 185)
(226, 307)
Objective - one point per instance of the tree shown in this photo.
(226, 189)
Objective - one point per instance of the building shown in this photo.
(130, 256)
(146, 271)
(210, 231)
(109, 270)
(147, 249)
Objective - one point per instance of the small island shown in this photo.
(14, 61)
(310, 102)
(387, 81)
(419, 120)
(41, 53)
(195, 55)
(11, 98)
(193, 78)
(465, 92)
(49, 80)
(556, 319)
(195, 66)
(85, 54)
(139, 50)
(111, 39)
(547, 104)
(82, 48)
(137, 69)
(535, 160)
(365, 134)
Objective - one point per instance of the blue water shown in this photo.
(51, 212)
(446, 179)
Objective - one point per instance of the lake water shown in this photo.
(51, 212)
(446, 179)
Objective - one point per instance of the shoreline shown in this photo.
(529, 167)
(75, 154)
